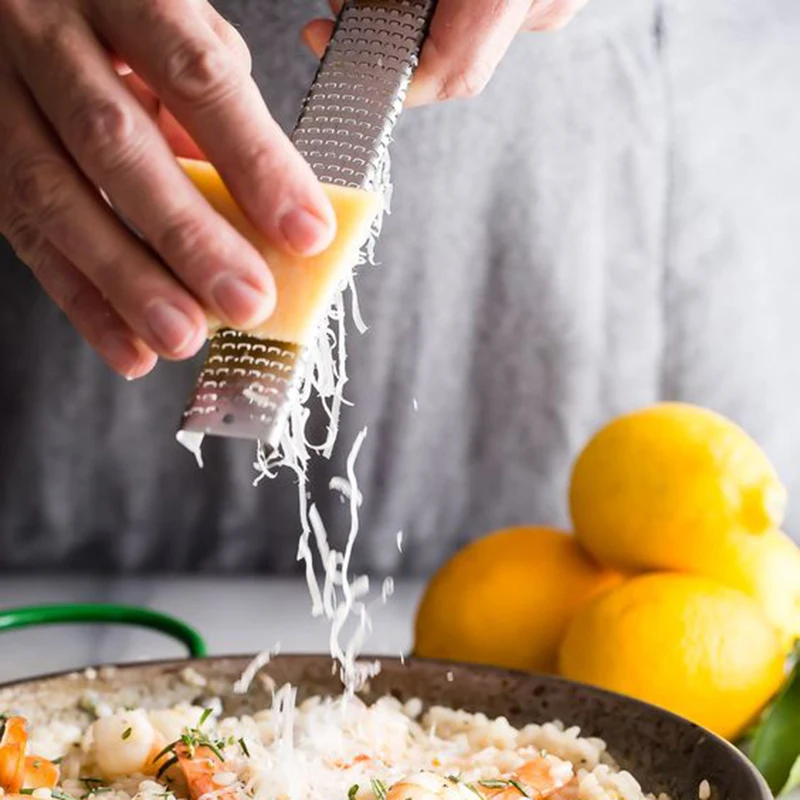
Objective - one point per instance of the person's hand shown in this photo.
(75, 118)
(466, 41)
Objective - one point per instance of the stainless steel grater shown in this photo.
(247, 385)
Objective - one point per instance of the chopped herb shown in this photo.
(57, 794)
(191, 739)
(379, 789)
(92, 781)
(58, 760)
(37, 763)
(246, 752)
(126, 734)
(26, 791)
(206, 714)
(166, 765)
(352, 792)
(170, 748)
(501, 783)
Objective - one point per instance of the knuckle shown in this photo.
(467, 81)
(78, 302)
(106, 131)
(198, 72)
(267, 160)
(38, 187)
(182, 239)
(25, 239)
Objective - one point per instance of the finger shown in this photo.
(176, 135)
(177, 138)
(218, 103)
(119, 148)
(229, 36)
(552, 15)
(93, 317)
(465, 44)
(38, 184)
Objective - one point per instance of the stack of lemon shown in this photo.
(678, 586)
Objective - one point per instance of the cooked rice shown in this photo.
(323, 747)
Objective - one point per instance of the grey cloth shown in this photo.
(616, 220)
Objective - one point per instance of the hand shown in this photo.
(76, 117)
(466, 42)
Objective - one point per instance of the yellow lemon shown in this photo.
(506, 599)
(765, 567)
(683, 642)
(677, 487)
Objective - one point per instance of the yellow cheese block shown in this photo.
(305, 285)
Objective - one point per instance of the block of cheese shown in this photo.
(305, 285)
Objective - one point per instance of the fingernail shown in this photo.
(120, 353)
(171, 327)
(305, 232)
(240, 301)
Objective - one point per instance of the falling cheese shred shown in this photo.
(310, 310)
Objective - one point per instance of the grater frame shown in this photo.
(248, 385)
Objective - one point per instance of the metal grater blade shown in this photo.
(247, 385)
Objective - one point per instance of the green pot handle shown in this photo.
(69, 613)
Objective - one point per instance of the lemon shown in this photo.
(767, 568)
(683, 642)
(677, 487)
(506, 599)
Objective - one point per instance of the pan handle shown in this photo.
(69, 613)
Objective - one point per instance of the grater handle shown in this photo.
(345, 126)
(247, 386)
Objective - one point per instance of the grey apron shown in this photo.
(616, 220)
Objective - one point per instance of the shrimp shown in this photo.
(539, 778)
(19, 771)
(426, 785)
(205, 772)
(126, 743)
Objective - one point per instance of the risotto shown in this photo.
(320, 749)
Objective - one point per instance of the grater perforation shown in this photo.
(247, 385)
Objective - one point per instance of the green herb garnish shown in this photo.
(243, 746)
(126, 734)
(379, 788)
(494, 783)
(166, 765)
(352, 792)
(205, 715)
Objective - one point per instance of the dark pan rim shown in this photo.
(553, 680)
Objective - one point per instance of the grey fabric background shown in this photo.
(616, 220)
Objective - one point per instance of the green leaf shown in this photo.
(794, 779)
(775, 746)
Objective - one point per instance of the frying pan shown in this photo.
(665, 752)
